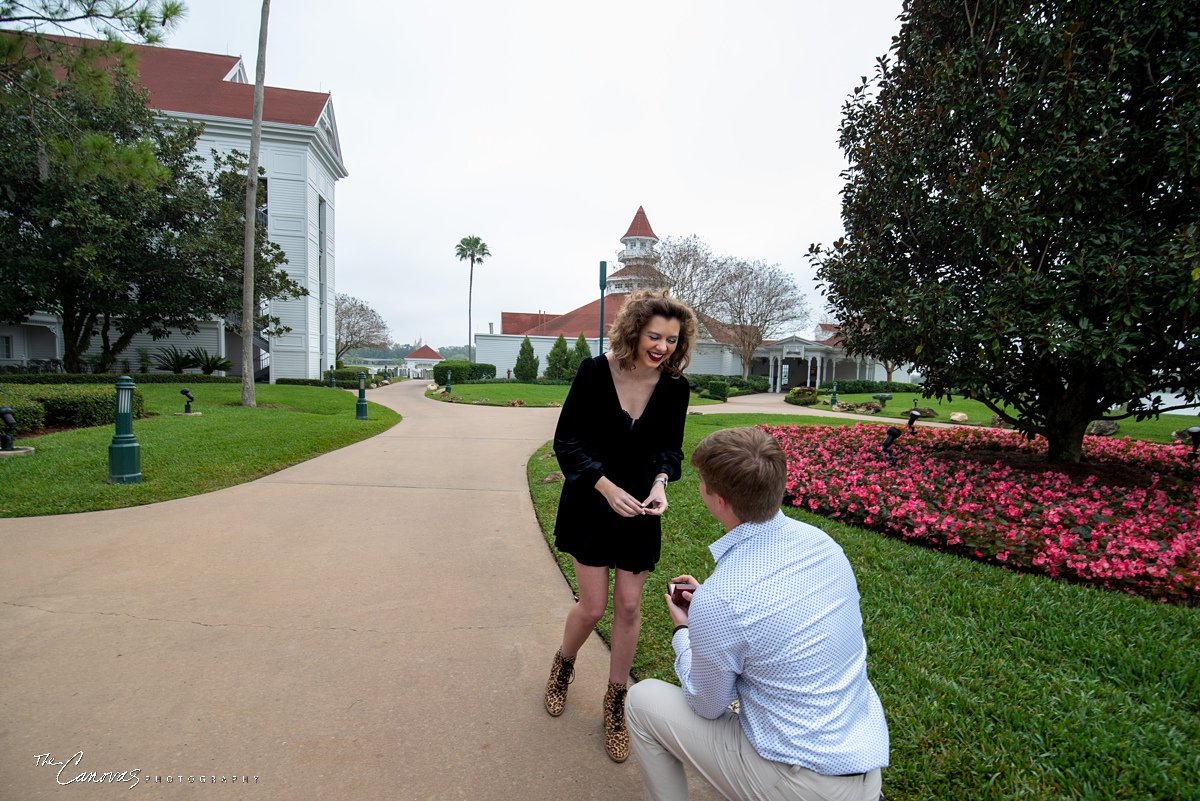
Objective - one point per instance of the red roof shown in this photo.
(640, 226)
(520, 322)
(188, 82)
(585, 320)
(424, 352)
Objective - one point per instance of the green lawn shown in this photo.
(534, 395)
(181, 456)
(977, 414)
(997, 685)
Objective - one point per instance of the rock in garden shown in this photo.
(545, 456)
(555, 404)
(1102, 428)
(999, 422)
(958, 417)
(516, 402)
(552, 478)
(927, 411)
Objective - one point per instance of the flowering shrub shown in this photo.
(1139, 540)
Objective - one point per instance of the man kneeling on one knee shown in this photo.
(776, 626)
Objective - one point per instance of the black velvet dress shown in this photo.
(596, 437)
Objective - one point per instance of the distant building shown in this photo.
(302, 156)
(792, 361)
(421, 361)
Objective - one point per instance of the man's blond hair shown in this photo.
(747, 468)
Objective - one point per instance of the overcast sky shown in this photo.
(542, 126)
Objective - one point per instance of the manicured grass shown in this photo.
(181, 456)
(534, 395)
(997, 685)
(977, 414)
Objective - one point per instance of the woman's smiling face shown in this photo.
(657, 342)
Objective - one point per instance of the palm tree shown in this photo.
(475, 249)
(260, 77)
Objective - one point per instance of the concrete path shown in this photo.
(376, 623)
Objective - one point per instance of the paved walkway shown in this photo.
(376, 623)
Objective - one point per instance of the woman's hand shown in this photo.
(656, 501)
(621, 501)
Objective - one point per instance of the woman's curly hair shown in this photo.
(632, 318)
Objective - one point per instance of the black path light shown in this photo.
(10, 428)
(892, 434)
(1194, 433)
(914, 414)
(187, 393)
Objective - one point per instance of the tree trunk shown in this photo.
(470, 291)
(260, 76)
(1066, 422)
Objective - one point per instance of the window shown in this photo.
(6, 348)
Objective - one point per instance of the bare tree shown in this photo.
(697, 275)
(357, 325)
(759, 301)
(260, 77)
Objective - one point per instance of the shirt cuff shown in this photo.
(680, 640)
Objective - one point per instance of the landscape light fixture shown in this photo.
(187, 393)
(124, 454)
(1193, 432)
(888, 441)
(361, 406)
(913, 417)
(10, 428)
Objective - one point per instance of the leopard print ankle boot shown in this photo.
(616, 736)
(562, 673)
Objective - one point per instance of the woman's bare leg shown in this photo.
(584, 615)
(627, 622)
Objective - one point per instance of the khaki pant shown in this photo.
(665, 733)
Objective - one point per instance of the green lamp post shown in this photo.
(332, 380)
(124, 454)
(603, 284)
(361, 407)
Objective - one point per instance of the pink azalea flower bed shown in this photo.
(1139, 540)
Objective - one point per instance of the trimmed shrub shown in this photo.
(481, 371)
(30, 415)
(802, 396)
(857, 387)
(755, 383)
(718, 390)
(580, 353)
(72, 406)
(307, 382)
(526, 368)
(459, 371)
(557, 359)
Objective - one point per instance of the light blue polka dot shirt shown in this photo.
(777, 625)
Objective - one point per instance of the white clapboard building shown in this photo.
(302, 157)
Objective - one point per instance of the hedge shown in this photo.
(462, 371)
(755, 383)
(858, 387)
(307, 382)
(66, 406)
(111, 378)
(718, 390)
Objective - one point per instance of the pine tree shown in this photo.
(579, 353)
(558, 359)
(526, 368)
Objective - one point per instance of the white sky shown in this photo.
(542, 126)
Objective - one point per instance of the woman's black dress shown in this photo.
(596, 437)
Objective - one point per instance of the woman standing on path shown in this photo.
(619, 441)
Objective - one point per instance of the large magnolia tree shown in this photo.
(1022, 208)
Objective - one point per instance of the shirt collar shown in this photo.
(744, 532)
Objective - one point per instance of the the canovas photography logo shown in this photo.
(72, 771)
